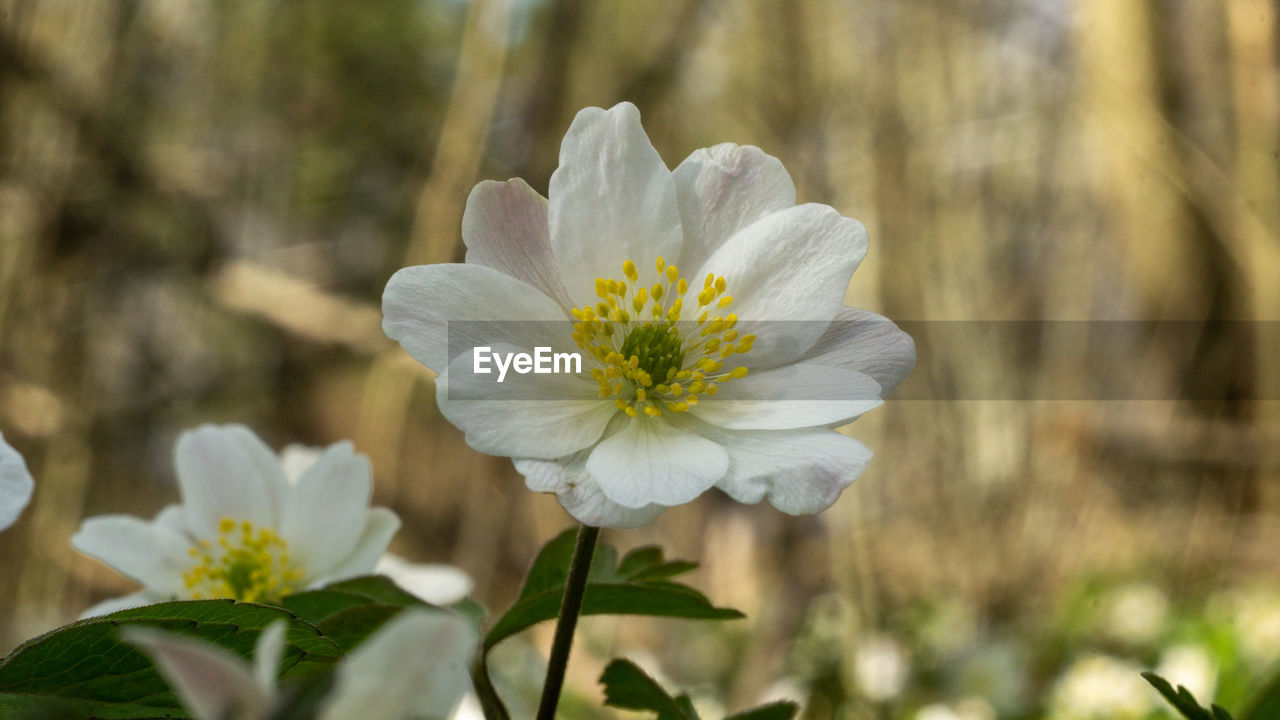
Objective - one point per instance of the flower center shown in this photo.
(246, 563)
(650, 360)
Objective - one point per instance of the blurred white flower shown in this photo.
(966, 709)
(880, 668)
(1255, 615)
(1100, 687)
(1192, 667)
(16, 484)
(246, 529)
(414, 666)
(1135, 614)
(665, 284)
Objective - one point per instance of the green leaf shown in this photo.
(1184, 702)
(627, 686)
(773, 711)
(85, 670)
(636, 586)
(350, 611)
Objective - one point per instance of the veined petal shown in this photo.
(16, 484)
(420, 302)
(153, 554)
(650, 462)
(326, 511)
(380, 526)
(793, 265)
(211, 682)
(792, 396)
(505, 227)
(869, 343)
(434, 583)
(580, 495)
(391, 676)
(801, 471)
(724, 188)
(564, 407)
(226, 471)
(611, 199)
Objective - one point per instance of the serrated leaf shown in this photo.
(85, 665)
(784, 710)
(628, 687)
(1183, 701)
(656, 599)
(350, 611)
(636, 586)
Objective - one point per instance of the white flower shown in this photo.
(16, 484)
(391, 676)
(1101, 687)
(245, 529)
(880, 668)
(1192, 667)
(1135, 614)
(707, 308)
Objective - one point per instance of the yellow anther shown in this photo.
(738, 372)
(673, 273)
(660, 264)
(711, 390)
(629, 269)
(663, 389)
(730, 320)
(730, 335)
(743, 347)
(652, 411)
(620, 404)
(720, 284)
(706, 296)
(642, 297)
(726, 301)
(696, 386)
(657, 291)
(710, 278)
(640, 394)
(712, 345)
(631, 411)
(682, 286)
(602, 287)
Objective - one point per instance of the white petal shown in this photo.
(296, 459)
(226, 471)
(579, 494)
(415, 666)
(433, 583)
(505, 227)
(611, 199)
(380, 526)
(801, 471)
(546, 416)
(124, 602)
(723, 189)
(16, 484)
(792, 396)
(326, 511)
(211, 682)
(151, 553)
(869, 343)
(267, 653)
(420, 302)
(790, 268)
(650, 462)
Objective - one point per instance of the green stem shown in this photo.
(490, 702)
(570, 607)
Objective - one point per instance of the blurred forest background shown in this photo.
(201, 201)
